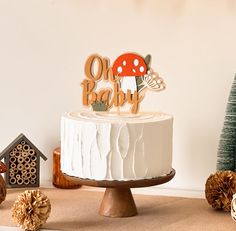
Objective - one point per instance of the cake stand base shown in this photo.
(118, 202)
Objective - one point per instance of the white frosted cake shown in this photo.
(109, 146)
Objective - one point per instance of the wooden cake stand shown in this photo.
(118, 200)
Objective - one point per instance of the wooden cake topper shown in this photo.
(129, 76)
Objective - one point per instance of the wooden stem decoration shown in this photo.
(118, 202)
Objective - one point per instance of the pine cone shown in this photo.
(3, 190)
(219, 189)
(31, 210)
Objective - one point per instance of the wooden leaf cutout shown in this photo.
(147, 60)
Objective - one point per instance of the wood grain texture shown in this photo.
(59, 180)
(118, 200)
(123, 184)
(118, 203)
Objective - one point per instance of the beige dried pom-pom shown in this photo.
(3, 190)
(220, 188)
(31, 210)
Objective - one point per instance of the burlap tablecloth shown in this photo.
(78, 210)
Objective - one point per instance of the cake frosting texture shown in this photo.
(109, 146)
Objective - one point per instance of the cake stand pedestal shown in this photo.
(118, 200)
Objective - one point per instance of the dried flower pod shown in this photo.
(219, 189)
(31, 210)
(3, 190)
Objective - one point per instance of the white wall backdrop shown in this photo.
(44, 44)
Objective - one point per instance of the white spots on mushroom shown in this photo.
(136, 62)
(119, 69)
(129, 64)
(141, 69)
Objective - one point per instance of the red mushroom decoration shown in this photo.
(3, 167)
(128, 66)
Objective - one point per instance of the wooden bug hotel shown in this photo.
(22, 161)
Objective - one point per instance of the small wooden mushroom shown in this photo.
(3, 167)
